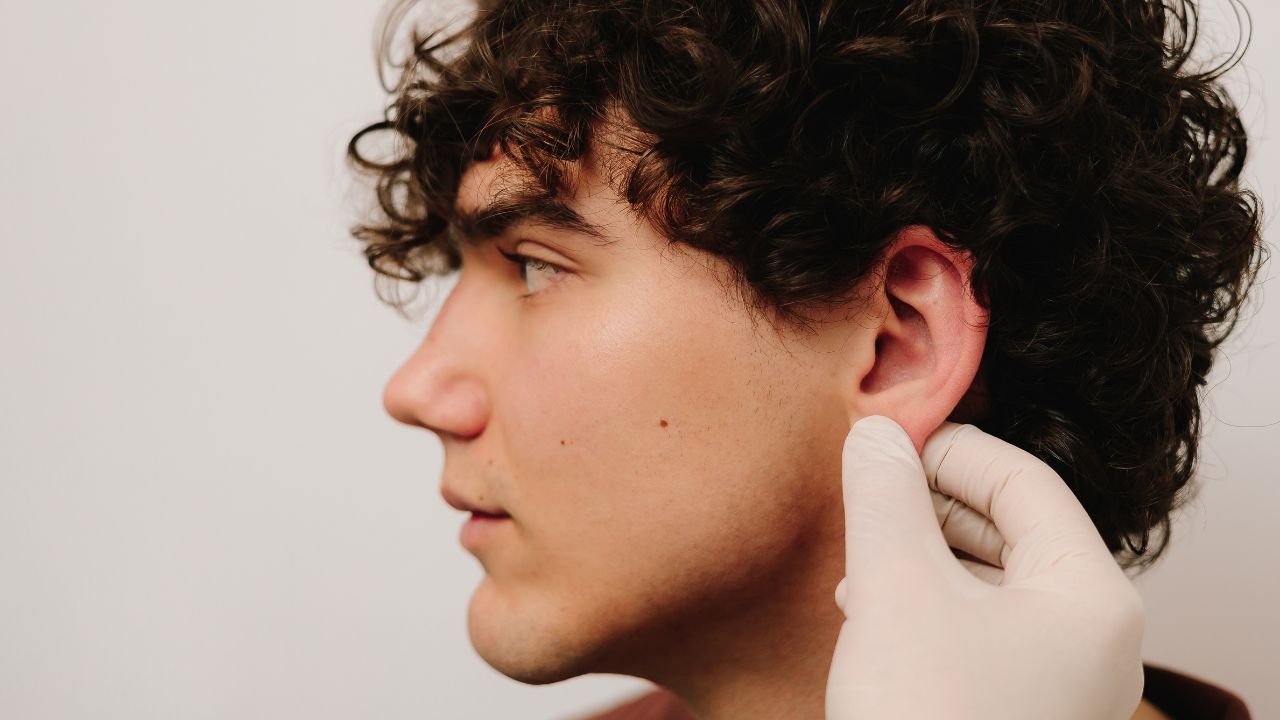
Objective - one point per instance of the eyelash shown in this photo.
(522, 261)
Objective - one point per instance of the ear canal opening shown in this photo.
(900, 357)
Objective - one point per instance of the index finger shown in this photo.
(1031, 506)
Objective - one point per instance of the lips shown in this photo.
(457, 501)
(480, 529)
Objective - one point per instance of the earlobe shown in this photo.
(928, 343)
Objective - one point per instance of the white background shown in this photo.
(205, 512)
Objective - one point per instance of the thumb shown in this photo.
(891, 529)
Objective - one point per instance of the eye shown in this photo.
(524, 262)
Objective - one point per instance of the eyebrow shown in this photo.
(473, 227)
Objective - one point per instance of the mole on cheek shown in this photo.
(663, 423)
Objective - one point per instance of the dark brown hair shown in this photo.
(1067, 144)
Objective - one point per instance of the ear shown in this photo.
(922, 353)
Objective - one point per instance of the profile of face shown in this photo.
(671, 469)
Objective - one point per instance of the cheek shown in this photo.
(652, 445)
(639, 404)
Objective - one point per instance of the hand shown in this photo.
(1044, 624)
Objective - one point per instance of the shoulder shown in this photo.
(1181, 695)
(659, 704)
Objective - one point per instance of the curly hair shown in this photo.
(1068, 145)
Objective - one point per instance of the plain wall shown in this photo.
(205, 511)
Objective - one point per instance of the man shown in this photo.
(698, 241)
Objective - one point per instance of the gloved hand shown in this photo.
(1042, 625)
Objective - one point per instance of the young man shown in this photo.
(698, 240)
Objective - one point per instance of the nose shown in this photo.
(441, 386)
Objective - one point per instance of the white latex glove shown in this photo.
(1046, 627)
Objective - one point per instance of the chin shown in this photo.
(525, 640)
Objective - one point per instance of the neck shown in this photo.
(764, 652)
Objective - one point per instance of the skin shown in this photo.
(672, 469)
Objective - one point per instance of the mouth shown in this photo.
(481, 528)
(458, 502)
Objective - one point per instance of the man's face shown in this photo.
(671, 471)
